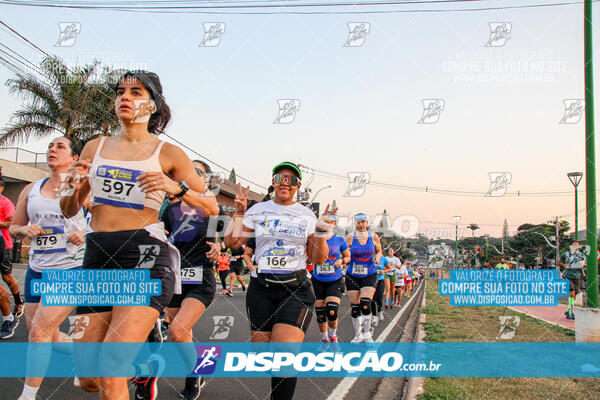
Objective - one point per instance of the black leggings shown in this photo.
(224, 275)
(377, 303)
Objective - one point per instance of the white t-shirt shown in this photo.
(401, 272)
(394, 262)
(281, 233)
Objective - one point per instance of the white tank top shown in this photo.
(113, 182)
(50, 250)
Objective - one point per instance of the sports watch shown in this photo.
(184, 188)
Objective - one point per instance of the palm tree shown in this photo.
(64, 101)
(473, 227)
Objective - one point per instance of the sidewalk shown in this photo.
(552, 314)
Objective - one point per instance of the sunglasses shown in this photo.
(285, 178)
(360, 217)
(201, 173)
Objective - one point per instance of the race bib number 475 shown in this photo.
(191, 275)
(118, 187)
(52, 239)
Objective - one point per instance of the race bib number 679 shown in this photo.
(52, 239)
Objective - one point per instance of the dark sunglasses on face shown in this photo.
(285, 178)
(200, 172)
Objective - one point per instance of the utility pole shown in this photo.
(557, 253)
(590, 158)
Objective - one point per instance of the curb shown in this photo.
(541, 319)
(415, 385)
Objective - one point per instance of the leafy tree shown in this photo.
(63, 101)
(473, 227)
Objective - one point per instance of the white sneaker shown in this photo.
(367, 337)
(76, 382)
(381, 316)
(358, 338)
(375, 322)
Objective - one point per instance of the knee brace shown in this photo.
(365, 305)
(355, 310)
(332, 310)
(320, 311)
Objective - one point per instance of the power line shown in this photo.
(101, 92)
(427, 189)
(195, 10)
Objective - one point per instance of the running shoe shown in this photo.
(165, 330)
(567, 314)
(146, 388)
(367, 337)
(324, 345)
(380, 317)
(375, 321)
(334, 344)
(155, 337)
(18, 310)
(243, 288)
(7, 330)
(224, 291)
(358, 338)
(193, 386)
(228, 293)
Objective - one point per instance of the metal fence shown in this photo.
(20, 155)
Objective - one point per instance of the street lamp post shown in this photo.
(575, 178)
(318, 191)
(456, 219)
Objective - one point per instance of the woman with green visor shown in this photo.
(280, 297)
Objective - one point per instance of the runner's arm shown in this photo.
(378, 252)
(20, 221)
(70, 205)
(180, 168)
(317, 249)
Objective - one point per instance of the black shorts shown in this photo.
(574, 284)
(279, 304)
(204, 292)
(6, 262)
(236, 267)
(129, 250)
(327, 289)
(354, 283)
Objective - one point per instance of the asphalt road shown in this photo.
(232, 388)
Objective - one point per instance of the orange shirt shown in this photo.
(223, 261)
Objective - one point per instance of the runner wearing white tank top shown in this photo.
(56, 243)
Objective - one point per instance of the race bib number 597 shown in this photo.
(118, 187)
